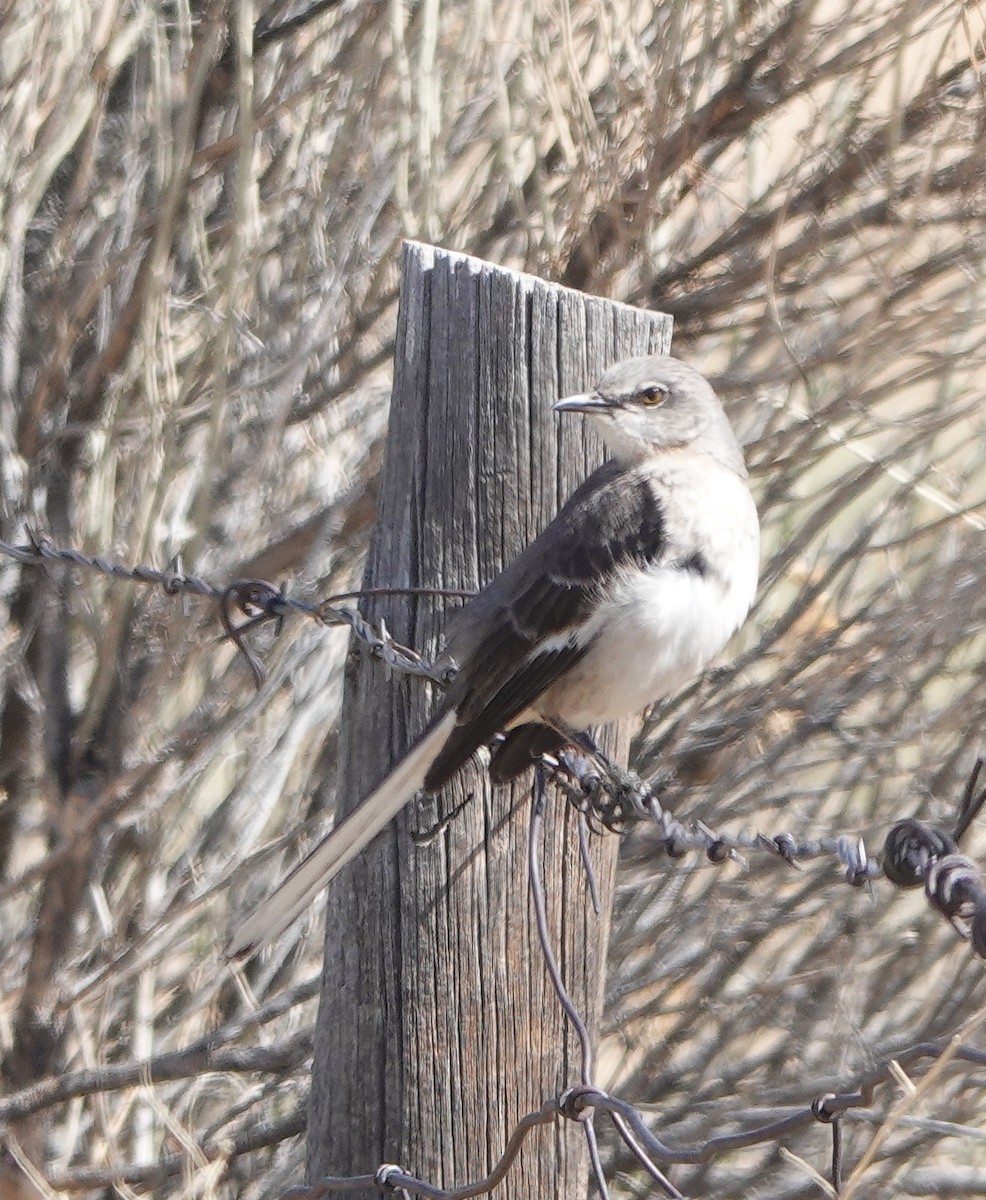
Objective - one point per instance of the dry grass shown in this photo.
(197, 312)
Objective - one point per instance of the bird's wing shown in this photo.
(515, 639)
(525, 630)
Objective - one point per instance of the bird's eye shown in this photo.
(653, 394)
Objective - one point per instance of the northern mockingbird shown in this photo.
(630, 591)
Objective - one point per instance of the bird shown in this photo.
(627, 595)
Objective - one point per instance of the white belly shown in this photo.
(655, 633)
(657, 627)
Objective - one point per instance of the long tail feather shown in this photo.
(291, 897)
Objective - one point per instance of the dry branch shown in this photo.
(802, 185)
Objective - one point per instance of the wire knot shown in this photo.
(953, 887)
(258, 601)
(910, 851)
(821, 1111)
(787, 848)
(576, 1101)
(383, 1176)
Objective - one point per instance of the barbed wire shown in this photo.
(259, 601)
(615, 799)
(608, 798)
(914, 853)
(611, 797)
(578, 1102)
(917, 854)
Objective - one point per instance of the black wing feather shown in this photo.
(481, 718)
(613, 519)
(523, 745)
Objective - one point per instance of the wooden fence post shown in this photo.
(438, 1027)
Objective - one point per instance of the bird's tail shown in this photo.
(291, 897)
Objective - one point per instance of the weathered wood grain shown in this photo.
(438, 1027)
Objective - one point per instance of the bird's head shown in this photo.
(657, 403)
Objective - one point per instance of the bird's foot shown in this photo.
(613, 796)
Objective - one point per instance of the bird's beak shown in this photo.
(587, 402)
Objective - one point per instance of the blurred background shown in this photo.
(202, 207)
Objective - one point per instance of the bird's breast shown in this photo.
(658, 625)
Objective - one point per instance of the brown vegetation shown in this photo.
(202, 208)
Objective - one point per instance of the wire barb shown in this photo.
(613, 799)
